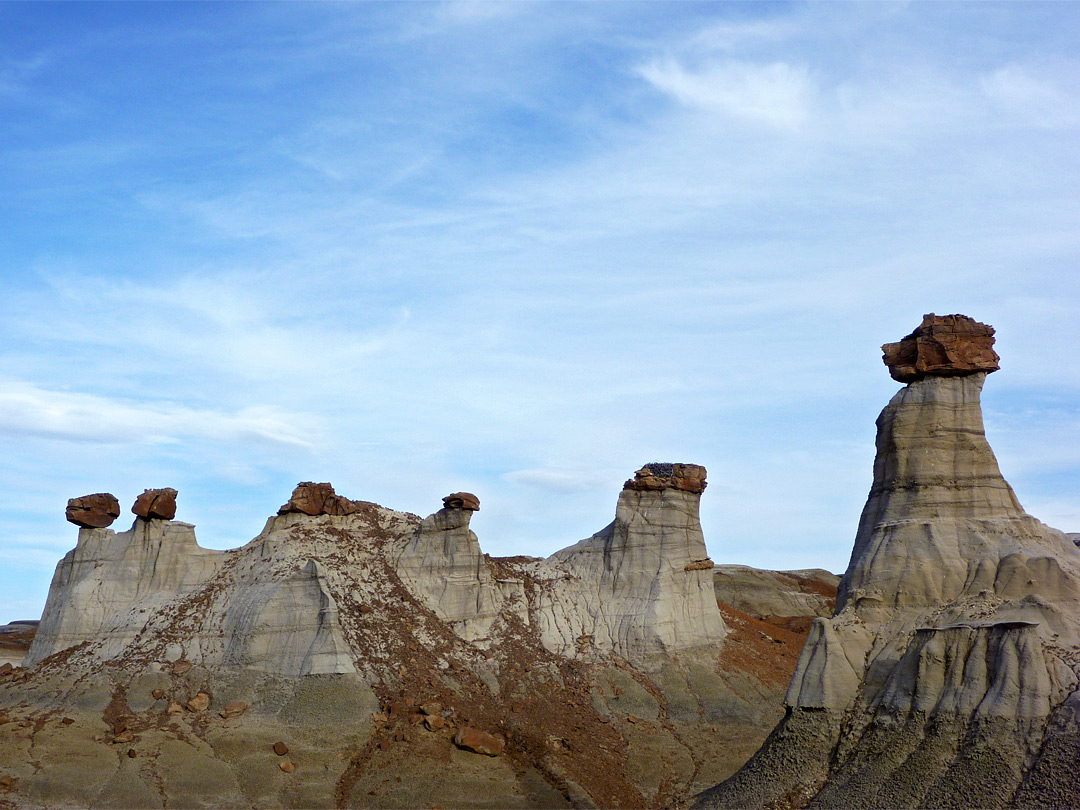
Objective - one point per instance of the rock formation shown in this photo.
(157, 504)
(948, 674)
(317, 499)
(367, 642)
(643, 585)
(943, 346)
(93, 511)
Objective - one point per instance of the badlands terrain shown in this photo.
(355, 656)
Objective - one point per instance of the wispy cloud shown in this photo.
(776, 94)
(26, 409)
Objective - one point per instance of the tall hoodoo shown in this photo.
(955, 646)
(643, 584)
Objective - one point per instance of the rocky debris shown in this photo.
(317, 499)
(659, 476)
(5, 668)
(233, 708)
(462, 500)
(280, 748)
(699, 565)
(93, 511)
(943, 345)
(946, 674)
(157, 504)
(199, 703)
(479, 742)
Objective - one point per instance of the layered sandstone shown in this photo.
(642, 585)
(944, 346)
(956, 638)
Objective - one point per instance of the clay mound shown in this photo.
(948, 675)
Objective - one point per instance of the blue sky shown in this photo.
(521, 249)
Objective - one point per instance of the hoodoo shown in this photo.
(352, 655)
(948, 675)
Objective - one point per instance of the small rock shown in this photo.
(5, 668)
(199, 703)
(287, 766)
(67, 721)
(432, 707)
(158, 694)
(280, 748)
(416, 718)
(234, 708)
(181, 666)
(123, 737)
(131, 753)
(6, 782)
(472, 739)
(434, 722)
(174, 708)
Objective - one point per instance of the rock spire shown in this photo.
(954, 647)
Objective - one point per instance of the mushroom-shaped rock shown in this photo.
(461, 500)
(943, 346)
(156, 503)
(657, 476)
(93, 511)
(317, 499)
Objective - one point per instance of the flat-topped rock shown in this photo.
(943, 346)
(657, 476)
(317, 499)
(96, 511)
(156, 503)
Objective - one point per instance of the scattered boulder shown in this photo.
(462, 500)
(157, 504)
(658, 476)
(199, 703)
(280, 748)
(95, 511)
(287, 766)
(944, 346)
(317, 499)
(158, 694)
(479, 742)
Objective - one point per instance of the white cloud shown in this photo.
(777, 95)
(71, 416)
(1031, 99)
(563, 479)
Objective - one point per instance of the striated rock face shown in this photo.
(643, 585)
(317, 499)
(93, 511)
(956, 638)
(156, 503)
(943, 346)
(444, 566)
